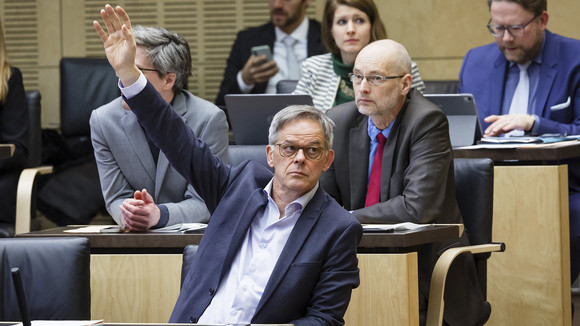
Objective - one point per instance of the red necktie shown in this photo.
(374, 190)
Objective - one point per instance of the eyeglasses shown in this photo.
(375, 80)
(147, 69)
(514, 30)
(313, 153)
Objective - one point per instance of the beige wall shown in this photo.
(437, 33)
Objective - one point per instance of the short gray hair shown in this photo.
(297, 112)
(167, 51)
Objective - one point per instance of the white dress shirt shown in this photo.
(240, 291)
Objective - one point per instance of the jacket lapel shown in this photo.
(256, 201)
(295, 242)
(179, 106)
(136, 136)
(548, 73)
(496, 85)
(358, 151)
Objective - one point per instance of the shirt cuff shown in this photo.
(243, 87)
(134, 89)
(164, 216)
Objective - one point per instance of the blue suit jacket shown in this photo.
(313, 279)
(558, 95)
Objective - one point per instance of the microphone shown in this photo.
(17, 280)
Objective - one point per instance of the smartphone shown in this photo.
(262, 50)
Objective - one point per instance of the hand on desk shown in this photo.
(501, 124)
(140, 213)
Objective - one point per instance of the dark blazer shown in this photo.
(240, 53)
(558, 96)
(13, 130)
(313, 279)
(417, 178)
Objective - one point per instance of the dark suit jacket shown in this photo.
(417, 178)
(558, 96)
(240, 53)
(312, 281)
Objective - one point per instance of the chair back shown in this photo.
(239, 153)
(441, 86)
(474, 193)
(286, 86)
(85, 84)
(34, 129)
(55, 276)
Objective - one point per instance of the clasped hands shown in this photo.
(140, 213)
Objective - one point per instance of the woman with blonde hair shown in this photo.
(13, 130)
(347, 27)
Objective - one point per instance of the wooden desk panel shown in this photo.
(388, 293)
(134, 288)
(529, 284)
(135, 277)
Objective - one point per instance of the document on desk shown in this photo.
(181, 227)
(88, 229)
(65, 322)
(545, 139)
(392, 227)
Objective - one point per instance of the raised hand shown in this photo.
(119, 43)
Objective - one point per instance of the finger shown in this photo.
(107, 20)
(100, 31)
(491, 118)
(138, 195)
(115, 21)
(147, 198)
(124, 17)
(135, 225)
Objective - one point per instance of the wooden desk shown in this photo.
(135, 277)
(529, 284)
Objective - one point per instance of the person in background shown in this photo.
(394, 163)
(246, 73)
(129, 162)
(347, 27)
(13, 130)
(528, 82)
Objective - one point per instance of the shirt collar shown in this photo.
(300, 33)
(373, 131)
(301, 201)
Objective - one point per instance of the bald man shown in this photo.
(416, 180)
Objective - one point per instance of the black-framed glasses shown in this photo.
(514, 30)
(147, 69)
(313, 153)
(374, 80)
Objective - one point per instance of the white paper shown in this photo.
(89, 229)
(396, 227)
(182, 227)
(65, 322)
